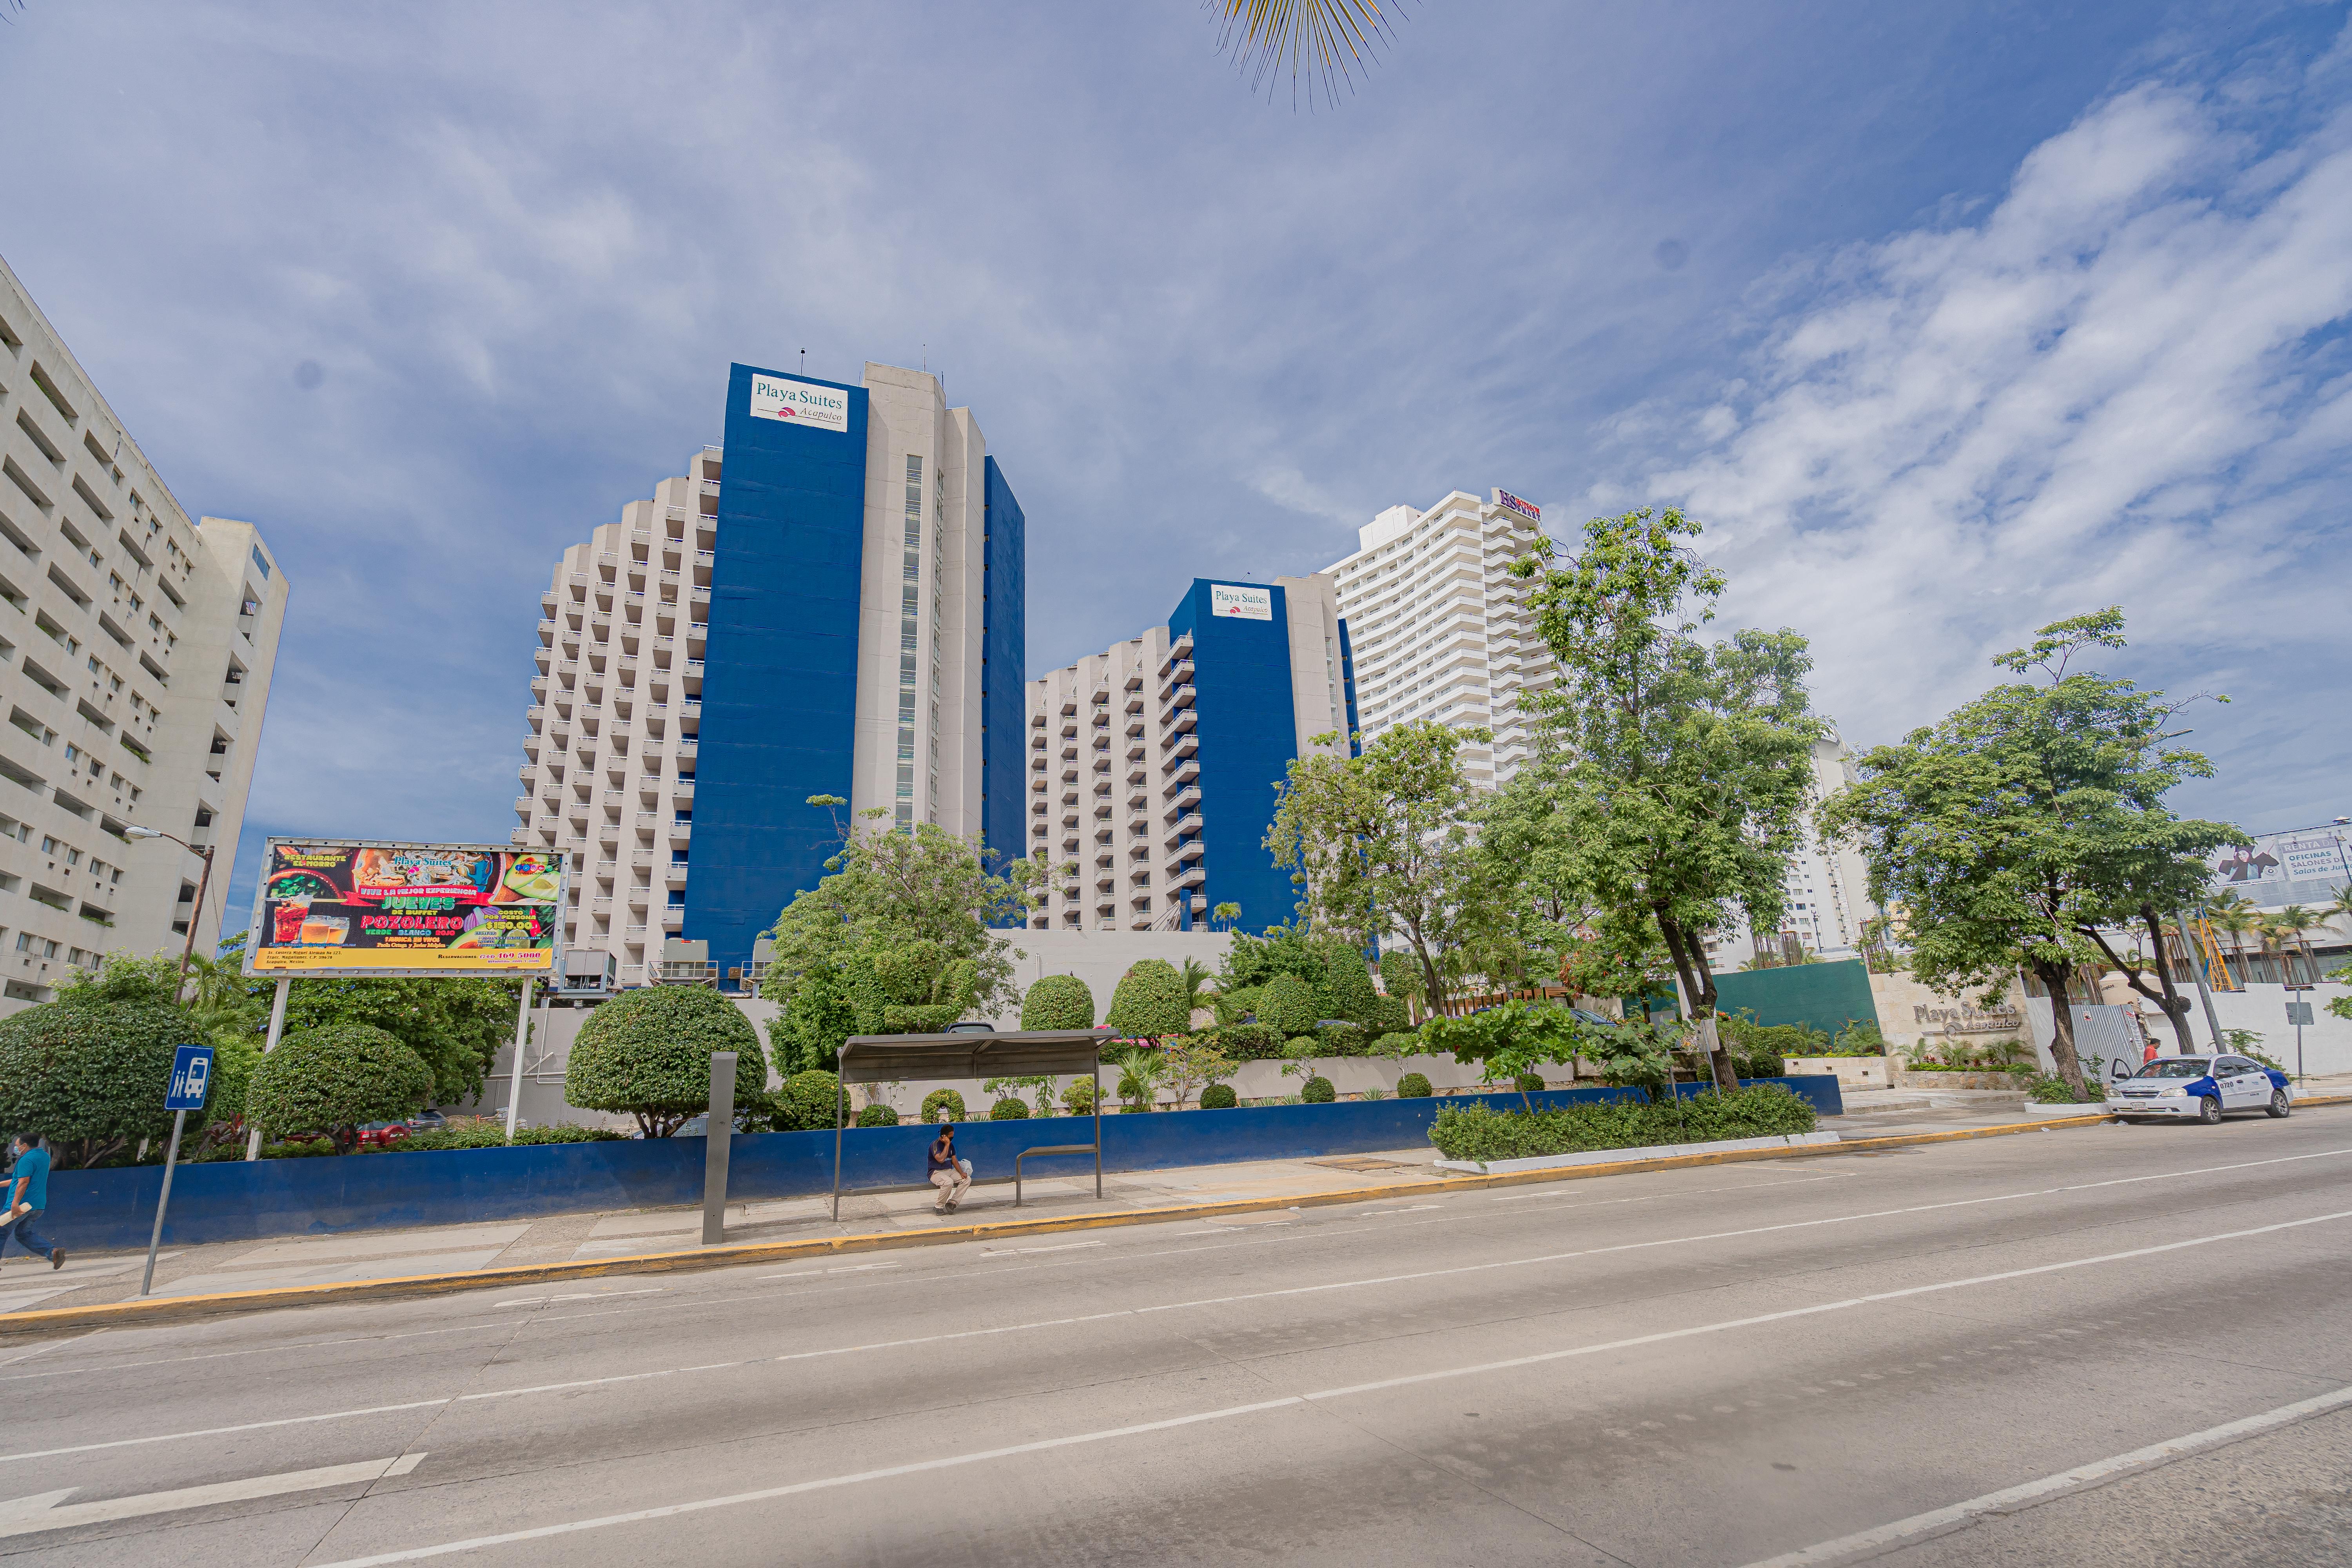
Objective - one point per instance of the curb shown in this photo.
(164, 1310)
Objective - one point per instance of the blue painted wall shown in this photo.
(778, 701)
(1003, 666)
(1249, 733)
(237, 1201)
(1347, 687)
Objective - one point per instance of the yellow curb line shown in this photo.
(162, 1310)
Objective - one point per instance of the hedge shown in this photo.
(877, 1115)
(1414, 1086)
(1009, 1110)
(1058, 1002)
(1397, 1043)
(1250, 1042)
(1318, 1091)
(1341, 1039)
(1218, 1097)
(647, 1052)
(1476, 1133)
(1149, 1002)
(943, 1105)
(91, 1076)
(804, 1102)
(1286, 1004)
(332, 1080)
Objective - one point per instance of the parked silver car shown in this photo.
(2200, 1089)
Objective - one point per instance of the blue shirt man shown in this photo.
(28, 1194)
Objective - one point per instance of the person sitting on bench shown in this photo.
(951, 1176)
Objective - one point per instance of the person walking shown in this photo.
(28, 1194)
(952, 1175)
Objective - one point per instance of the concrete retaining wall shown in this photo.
(241, 1201)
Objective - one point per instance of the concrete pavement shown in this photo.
(1712, 1365)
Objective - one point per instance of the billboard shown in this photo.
(1511, 502)
(1230, 601)
(799, 402)
(349, 907)
(2305, 855)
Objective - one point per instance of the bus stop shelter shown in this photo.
(1023, 1053)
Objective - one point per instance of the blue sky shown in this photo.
(1948, 320)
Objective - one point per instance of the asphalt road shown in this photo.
(1723, 1365)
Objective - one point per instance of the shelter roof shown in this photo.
(1027, 1053)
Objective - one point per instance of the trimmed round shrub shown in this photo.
(1287, 1003)
(1079, 1099)
(943, 1105)
(804, 1102)
(91, 1075)
(1009, 1110)
(1250, 1042)
(1529, 1083)
(1149, 1002)
(1340, 1039)
(877, 1115)
(647, 1052)
(334, 1078)
(1401, 1043)
(1219, 1097)
(1412, 1086)
(1058, 1002)
(1318, 1091)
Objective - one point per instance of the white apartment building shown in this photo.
(616, 707)
(1441, 630)
(1151, 764)
(1828, 890)
(136, 649)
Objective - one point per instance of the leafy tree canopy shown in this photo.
(647, 1052)
(1058, 1002)
(89, 1070)
(335, 1078)
(1149, 1002)
(2010, 832)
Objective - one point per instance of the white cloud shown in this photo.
(2125, 383)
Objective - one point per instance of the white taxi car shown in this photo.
(2200, 1089)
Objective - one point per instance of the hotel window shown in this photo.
(909, 640)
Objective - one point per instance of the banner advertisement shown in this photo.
(350, 906)
(2305, 855)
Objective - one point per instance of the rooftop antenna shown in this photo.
(803, 362)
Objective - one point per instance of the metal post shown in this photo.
(179, 1121)
(718, 1136)
(840, 1072)
(522, 1035)
(1096, 1102)
(2212, 1019)
(277, 1028)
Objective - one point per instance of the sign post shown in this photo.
(2298, 1013)
(192, 1074)
(718, 1136)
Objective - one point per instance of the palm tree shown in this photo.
(2341, 909)
(1322, 42)
(1223, 916)
(2233, 915)
(2294, 921)
(1195, 976)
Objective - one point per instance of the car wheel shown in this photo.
(2209, 1110)
(2278, 1107)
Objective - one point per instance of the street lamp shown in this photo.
(203, 881)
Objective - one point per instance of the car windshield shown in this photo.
(2175, 1066)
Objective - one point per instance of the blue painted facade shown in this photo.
(237, 1201)
(779, 699)
(1348, 688)
(1005, 641)
(1249, 730)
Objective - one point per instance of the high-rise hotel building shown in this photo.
(1153, 765)
(1442, 630)
(136, 648)
(829, 603)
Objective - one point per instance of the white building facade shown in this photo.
(1827, 895)
(1442, 631)
(136, 652)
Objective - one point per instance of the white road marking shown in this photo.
(1025, 1251)
(910, 1341)
(50, 1510)
(701, 1505)
(1944, 1520)
(581, 1296)
(52, 1345)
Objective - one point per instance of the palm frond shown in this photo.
(1316, 42)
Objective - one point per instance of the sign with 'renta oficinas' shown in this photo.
(799, 402)
(353, 906)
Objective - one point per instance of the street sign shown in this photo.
(192, 1070)
(2299, 1013)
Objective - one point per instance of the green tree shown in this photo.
(1348, 987)
(1675, 771)
(455, 1025)
(1380, 843)
(1286, 1002)
(647, 1052)
(1200, 984)
(1223, 916)
(1400, 975)
(1058, 1002)
(2010, 832)
(807, 1035)
(335, 1078)
(89, 1070)
(1149, 1002)
(886, 891)
(908, 986)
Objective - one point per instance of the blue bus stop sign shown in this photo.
(192, 1070)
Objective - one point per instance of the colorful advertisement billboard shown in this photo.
(2321, 855)
(350, 906)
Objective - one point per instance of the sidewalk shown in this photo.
(96, 1278)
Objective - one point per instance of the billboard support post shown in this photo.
(277, 1028)
(522, 1036)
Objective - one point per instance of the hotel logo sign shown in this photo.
(1511, 502)
(1228, 602)
(799, 403)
